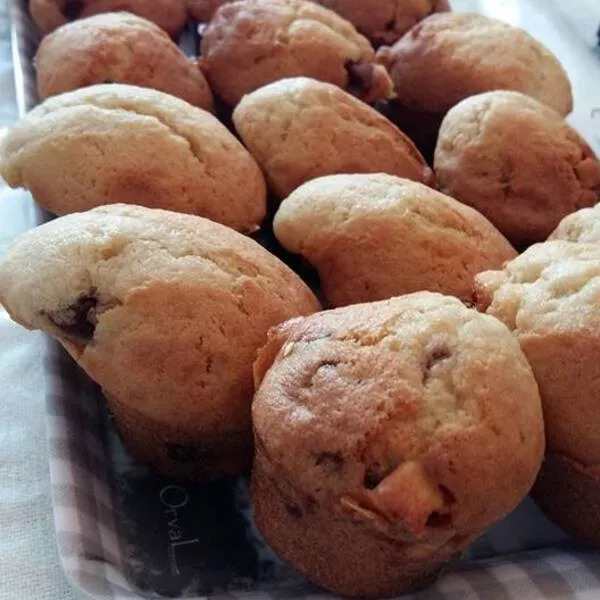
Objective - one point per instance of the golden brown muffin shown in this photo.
(388, 436)
(117, 48)
(385, 21)
(166, 312)
(448, 57)
(517, 162)
(251, 43)
(581, 226)
(169, 15)
(372, 237)
(118, 143)
(299, 129)
(550, 298)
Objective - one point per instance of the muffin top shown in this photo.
(251, 43)
(169, 15)
(374, 236)
(516, 161)
(300, 128)
(551, 287)
(384, 21)
(415, 413)
(450, 56)
(581, 226)
(117, 48)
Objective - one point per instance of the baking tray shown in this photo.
(123, 532)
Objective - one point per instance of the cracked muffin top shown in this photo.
(517, 162)
(164, 310)
(550, 298)
(374, 236)
(581, 226)
(416, 415)
(385, 21)
(203, 10)
(450, 56)
(299, 129)
(117, 48)
(169, 15)
(251, 43)
(119, 143)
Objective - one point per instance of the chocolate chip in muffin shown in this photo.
(72, 9)
(435, 356)
(79, 319)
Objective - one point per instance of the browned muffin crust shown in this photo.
(389, 435)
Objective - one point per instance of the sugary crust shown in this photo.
(118, 143)
(117, 48)
(299, 129)
(169, 15)
(448, 57)
(517, 162)
(550, 298)
(164, 310)
(376, 236)
(415, 420)
(251, 43)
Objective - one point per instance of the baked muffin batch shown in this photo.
(404, 154)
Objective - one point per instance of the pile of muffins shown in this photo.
(405, 154)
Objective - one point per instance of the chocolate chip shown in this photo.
(79, 319)
(330, 461)
(438, 520)
(180, 453)
(435, 356)
(374, 475)
(73, 9)
(360, 76)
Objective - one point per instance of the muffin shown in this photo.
(388, 436)
(169, 15)
(385, 21)
(448, 57)
(254, 42)
(372, 237)
(117, 48)
(118, 143)
(517, 162)
(582, 226)
(166, 312)
(299, 129)
(550, 298)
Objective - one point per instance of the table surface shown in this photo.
(29, 566)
